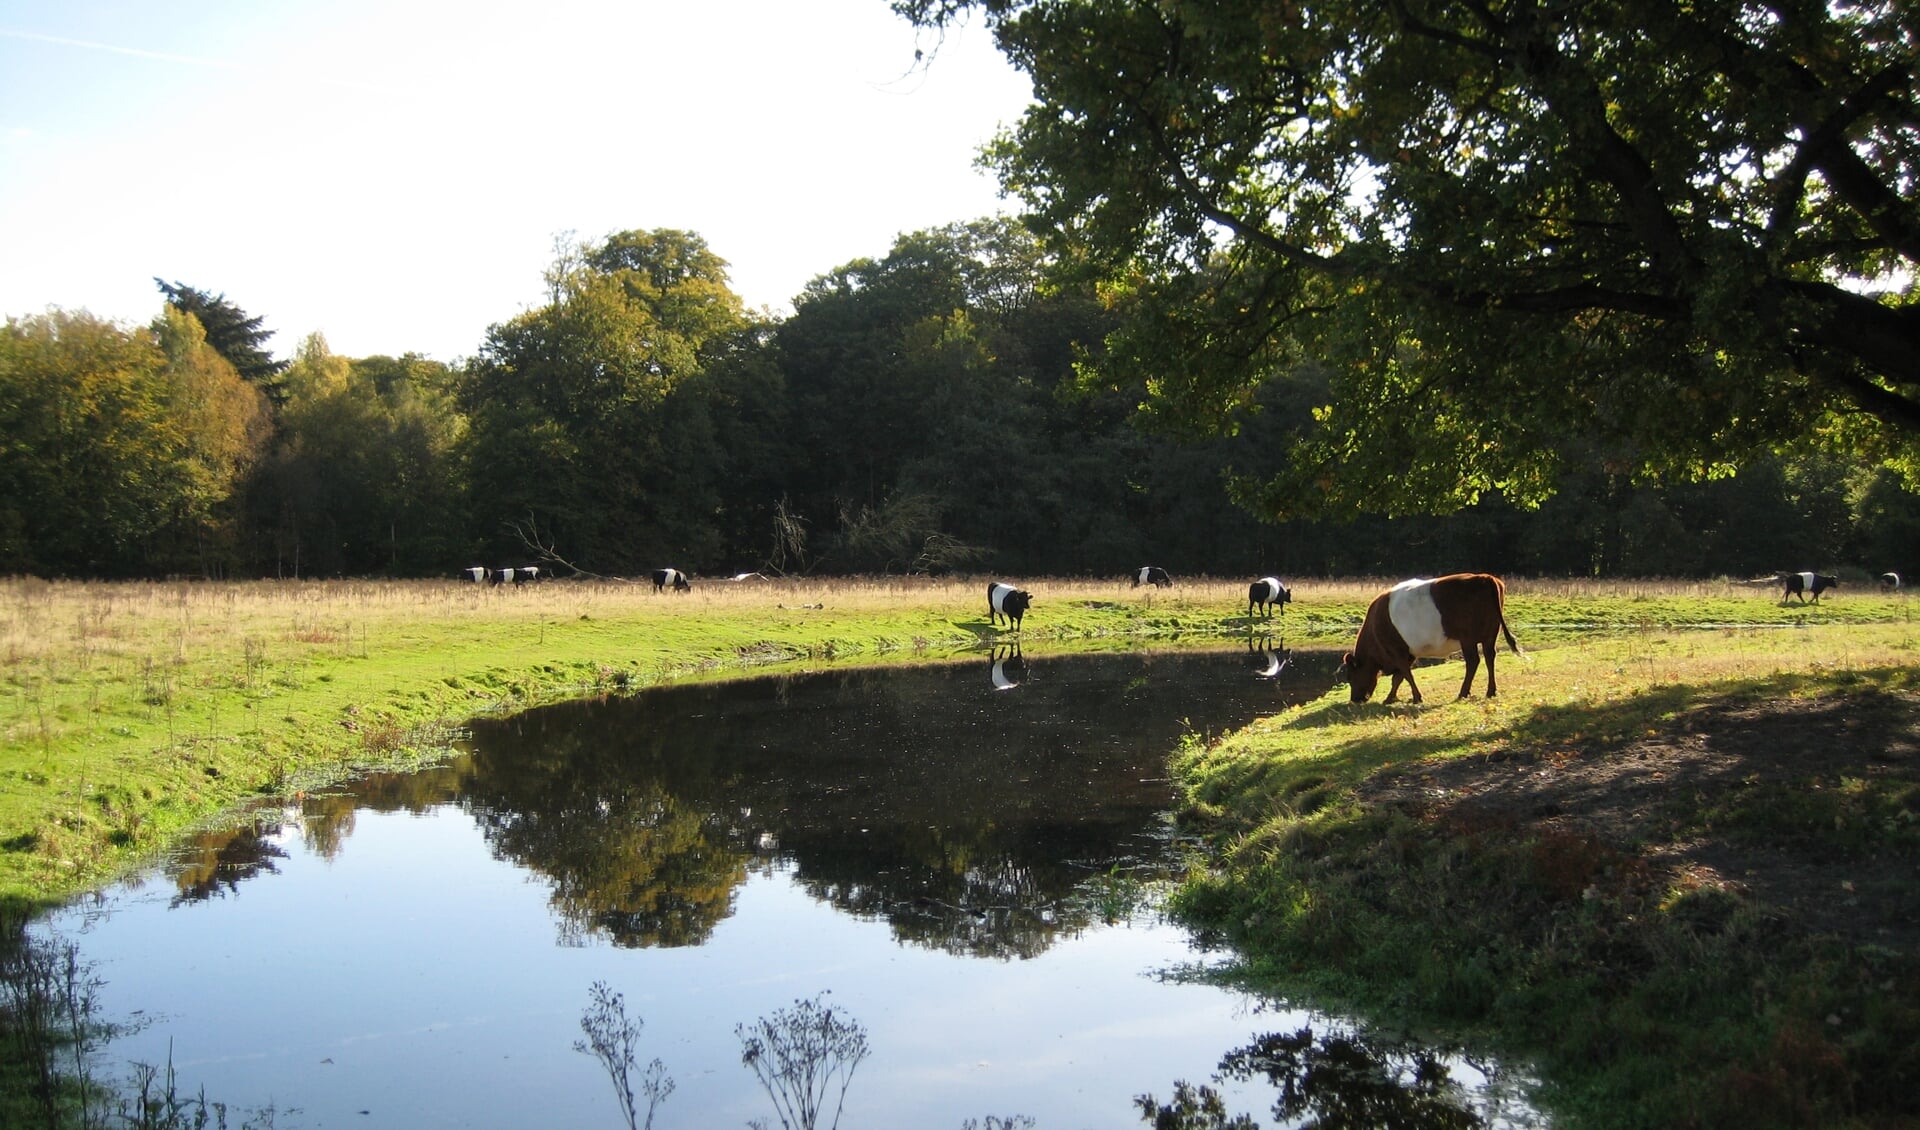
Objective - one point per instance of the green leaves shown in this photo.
(1681, 235)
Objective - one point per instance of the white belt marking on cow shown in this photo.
(1000, 594)
(1806, 581)
(1417, 618)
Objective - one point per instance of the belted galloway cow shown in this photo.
(1429, 619)
(1005, 600)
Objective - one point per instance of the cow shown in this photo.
(1890, 582)
(664, 579)
(1265, 593)
(1422, 619)
(1804, 585)
(525, 574)
(1152, 575)
(1009, 670)
(1005, 600)
(475, 573)
(501, 577)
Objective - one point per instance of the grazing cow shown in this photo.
(1152, 575)
(502, 577)
(526, 573)
(1890, 582)
(1419, 619)
(671, 578)
(1266, 658)
(1005, 600)
(1009, 670)
(1265, 593)
(475, 573)
(1804, 585)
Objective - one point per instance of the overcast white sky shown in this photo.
(393, 173)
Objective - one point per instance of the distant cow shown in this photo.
(501, 577)
(1804, 585)
(1890, 582)
(525, 574)
(475, 573)
(1005, 600)
(1152, 575)
(1265, 593)
(1419, 619)
(664, 579)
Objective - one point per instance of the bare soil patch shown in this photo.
(1644, 798)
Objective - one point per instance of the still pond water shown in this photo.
(946, 852)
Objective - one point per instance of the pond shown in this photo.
(956, 860)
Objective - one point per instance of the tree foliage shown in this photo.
(120, 445)
(240, 338)
(1681, 235)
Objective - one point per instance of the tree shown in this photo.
(120, 445)
(592, 416)
(1681, 233)
(236, 336)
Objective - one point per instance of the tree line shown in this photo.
(926, 411)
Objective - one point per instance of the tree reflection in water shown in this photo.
(1328, 1081)
(965, 819)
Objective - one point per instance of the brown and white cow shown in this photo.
(1420, 619)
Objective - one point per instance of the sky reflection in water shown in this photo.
(934, 849)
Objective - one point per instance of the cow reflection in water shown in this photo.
(1338, 1079)
(1009, 670)
(1267, 657)
(214, 863)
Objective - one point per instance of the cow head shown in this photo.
(1361, 676)
(1016, 603)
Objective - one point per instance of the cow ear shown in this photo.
(1347, 659)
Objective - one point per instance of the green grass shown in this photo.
(1647, 996)
(131, 712)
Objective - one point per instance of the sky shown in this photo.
(395, 174)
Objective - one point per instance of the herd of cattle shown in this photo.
(1416, 619)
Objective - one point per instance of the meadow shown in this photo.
(1578, 871)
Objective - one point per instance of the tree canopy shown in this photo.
(240, 338)
(1668, 236)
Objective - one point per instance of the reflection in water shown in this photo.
(213, 862)
(1008, 670)
(964, 820)
(1267, 657)
(708, 848)
(1334, 1080)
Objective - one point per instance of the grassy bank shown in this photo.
(1679, 870)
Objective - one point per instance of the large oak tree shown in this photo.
(1676, 234)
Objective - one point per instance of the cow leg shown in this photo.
(1471, 653)
(1393, 692)
(1492, 650)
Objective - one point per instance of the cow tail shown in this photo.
(1512, 644)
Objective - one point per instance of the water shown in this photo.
(949, 856)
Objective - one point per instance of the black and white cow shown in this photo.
(674, 579)
(526, 574)
(1891, 582)
(1265, 593)
(1152, 575)
(1804, 585)
(475, 573)
(1005, 600)
(501, 577)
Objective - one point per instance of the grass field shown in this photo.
(1578, 870)
(132, 710)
